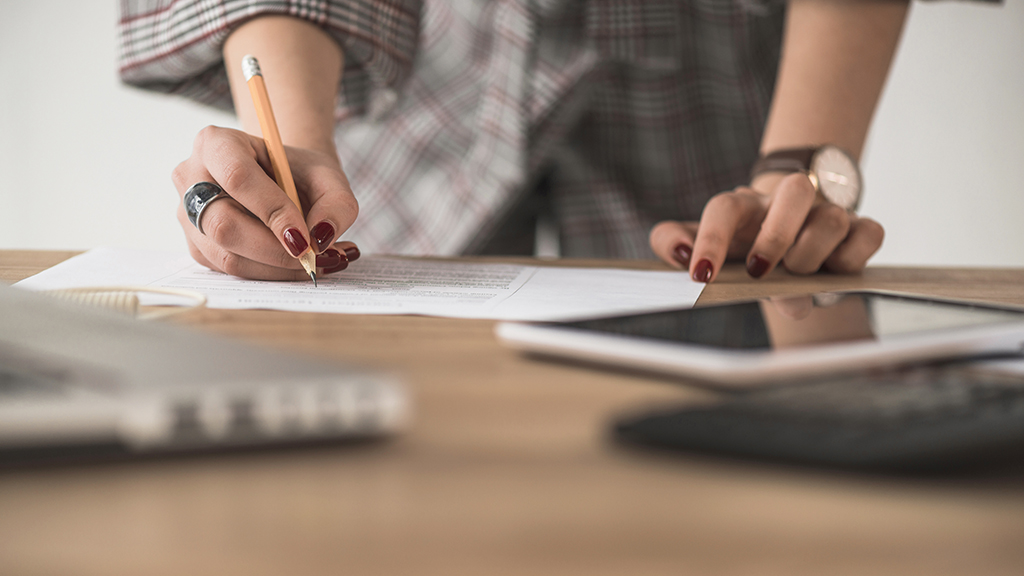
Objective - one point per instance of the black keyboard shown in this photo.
(914, 421)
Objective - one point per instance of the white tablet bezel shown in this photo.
(752, 367)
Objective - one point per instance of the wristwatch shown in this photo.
(832, 171)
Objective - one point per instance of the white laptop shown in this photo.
(80, 382)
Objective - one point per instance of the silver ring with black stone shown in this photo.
(197, 198)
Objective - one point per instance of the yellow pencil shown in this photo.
(282, 172)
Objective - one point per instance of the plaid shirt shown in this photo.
(460, 120)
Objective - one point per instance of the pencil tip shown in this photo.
(313, 276)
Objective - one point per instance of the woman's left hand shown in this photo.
(789, 224)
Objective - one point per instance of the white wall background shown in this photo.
(85, 162)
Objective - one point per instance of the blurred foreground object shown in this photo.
(76, 382)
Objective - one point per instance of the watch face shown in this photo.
(838, 176)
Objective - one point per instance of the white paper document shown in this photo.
(392, 285)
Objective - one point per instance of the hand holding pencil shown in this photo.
(260, 230)
(278, 158)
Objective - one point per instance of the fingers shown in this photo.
(826, 227)
(245, 233)
(786, 216)
(673, 242)
(791, 225)
(349, 249)
(232, 159)
(234, 261)
(230, 228)
(743, 220)
(236, 243)
(332, 206)
(729, 220)
(229, 263)
(864, 239)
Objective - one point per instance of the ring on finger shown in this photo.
(197, 198)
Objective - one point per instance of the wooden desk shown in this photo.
(505, 471)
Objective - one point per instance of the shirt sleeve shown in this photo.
(175, 46)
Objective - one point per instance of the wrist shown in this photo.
(832, 171)
(324, 146)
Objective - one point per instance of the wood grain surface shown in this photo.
(505, 470)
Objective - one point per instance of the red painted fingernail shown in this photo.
(323, 235)
(330, 259)
(341, 265)
(352, 253)
(295, 242)
(757, 266)
(682, 255)
(703, 271)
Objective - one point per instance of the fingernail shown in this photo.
(330, 259)
(342, 262)
(323, 235)
(757, 265)
(703, 271)
(352, 253)
(295, 241)
(682, 255)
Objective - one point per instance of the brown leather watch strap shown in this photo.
(789, 160)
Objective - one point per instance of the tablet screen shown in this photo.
(805, 320)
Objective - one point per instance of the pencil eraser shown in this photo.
(250, 67)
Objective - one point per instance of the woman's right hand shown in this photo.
(258, 232)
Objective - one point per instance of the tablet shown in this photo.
(784, 338)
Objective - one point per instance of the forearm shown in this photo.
(302, 67)
(835, 58)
